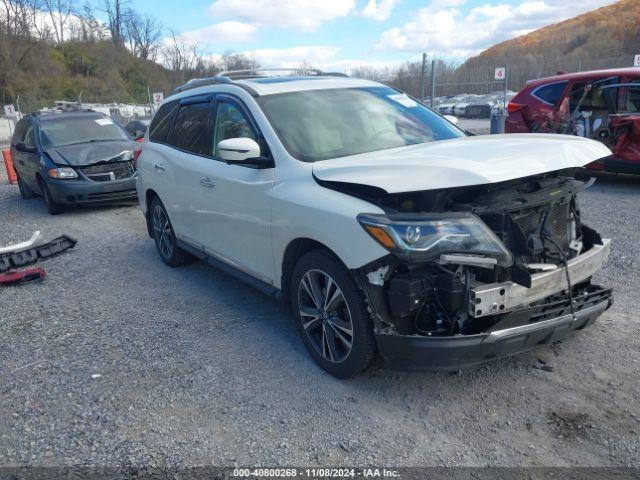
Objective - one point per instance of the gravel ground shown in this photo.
(118, 360)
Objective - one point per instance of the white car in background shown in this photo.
(385, 228)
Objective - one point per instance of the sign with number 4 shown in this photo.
(9, 111)
(636, 61)
(501, 73)
(158, 98)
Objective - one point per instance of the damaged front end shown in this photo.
(476, 273)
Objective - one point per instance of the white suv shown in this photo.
(385, 227)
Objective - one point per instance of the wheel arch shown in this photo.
(149, 195)
(293, 252)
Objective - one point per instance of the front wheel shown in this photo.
(53, 207)
(331, 315)
(25, 191)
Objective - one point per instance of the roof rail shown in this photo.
(261, 72)
(201, 82)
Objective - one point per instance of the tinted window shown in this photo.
(191, 130)
(58, 132)
(18, 134)
(231, 123)
(551, 93)
(29, 137)
(161, 124)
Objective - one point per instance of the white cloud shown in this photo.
(379, 10)
(303, 15)
(442, 29)
(228, 31)
(316, 55)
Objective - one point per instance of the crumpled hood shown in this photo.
(90, 153)
(462, 162)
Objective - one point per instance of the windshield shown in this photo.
(70, 130)
(323, 124)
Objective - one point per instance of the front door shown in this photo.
(234, 210)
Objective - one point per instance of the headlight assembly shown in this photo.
(62, 173)
(425, 237)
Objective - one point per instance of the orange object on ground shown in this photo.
(8, 164)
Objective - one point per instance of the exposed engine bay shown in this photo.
(536, 218)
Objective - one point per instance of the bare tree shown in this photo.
(238, 61)
(61, 13)
(143, 35)
(116, 12)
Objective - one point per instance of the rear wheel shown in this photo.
(331, 315)
(25, 191)
(164, 236)
(53, 207)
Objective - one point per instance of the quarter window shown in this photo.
(550, 93)
(191, 129)
(231, 123)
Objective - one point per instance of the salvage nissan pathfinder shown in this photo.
(385, 227)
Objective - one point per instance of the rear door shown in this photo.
(545, 110)
(190, 140)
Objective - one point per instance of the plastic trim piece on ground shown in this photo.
(9, 261)
(22, 276)
(35, 241)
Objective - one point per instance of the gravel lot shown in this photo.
(116, 359)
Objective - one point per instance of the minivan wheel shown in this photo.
(331, 315)
(25, 191)
(53, 207)
(164, 236)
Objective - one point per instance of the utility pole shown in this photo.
(423, 77)
(433, 82)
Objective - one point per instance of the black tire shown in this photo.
(165, 237)
(318, 329)
(52, 207)
(25, 191)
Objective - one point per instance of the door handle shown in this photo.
(206, 182)
(159, 166)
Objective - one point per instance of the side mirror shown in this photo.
(22, 147)
(452, 119)
(238, 149)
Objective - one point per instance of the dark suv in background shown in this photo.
(74, 158)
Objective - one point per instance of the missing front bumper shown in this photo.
(528, 329)
(498, 298)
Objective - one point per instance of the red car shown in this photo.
(603, 105)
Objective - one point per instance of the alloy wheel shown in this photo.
(325, 316)
(162, 231)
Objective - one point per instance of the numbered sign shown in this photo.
(9, 111)
(158, 98)
(636, 61)
(501, 73)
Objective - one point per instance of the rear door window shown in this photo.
(191, 130)
(162, 121)
(550, 93)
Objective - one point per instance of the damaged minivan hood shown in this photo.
(90, 153)
(461, 162)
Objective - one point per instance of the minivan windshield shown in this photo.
(323, 124)
(63, 131)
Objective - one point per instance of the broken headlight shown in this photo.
(424, 237)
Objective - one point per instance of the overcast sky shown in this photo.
(334, 34)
